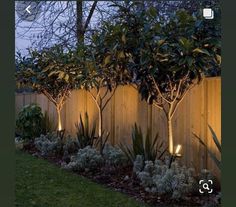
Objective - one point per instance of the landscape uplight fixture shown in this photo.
(60, 132)
(176, 154)
(177, 150)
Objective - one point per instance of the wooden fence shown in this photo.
(201, 106)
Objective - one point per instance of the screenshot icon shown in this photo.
(208, 13)
(205, 186)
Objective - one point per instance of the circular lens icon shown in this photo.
(28, 10)
(205, 186)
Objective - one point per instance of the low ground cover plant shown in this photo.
(87, 159)
(156, 177)
(114, 156)
(52, 145)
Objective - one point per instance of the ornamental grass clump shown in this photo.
(150, 148)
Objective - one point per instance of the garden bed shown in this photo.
(123, 180)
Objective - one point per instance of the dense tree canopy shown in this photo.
(53, 72)
(166, 56)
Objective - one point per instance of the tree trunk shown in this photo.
(170, 134)
(100, 129)
(59, 126)
(79, 22)
(99, 122)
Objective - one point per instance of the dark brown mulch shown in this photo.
(123, 180)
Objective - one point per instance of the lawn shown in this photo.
(41, 184)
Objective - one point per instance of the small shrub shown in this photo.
(87, 159)
(48, 145)
(138, 164)
(28, 123)
(157, 177)
(71, 146)
(51, 145)
(114, 156)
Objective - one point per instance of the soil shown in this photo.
(123, 180)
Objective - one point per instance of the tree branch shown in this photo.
(181, 99)
(158, 90)
(103, 107)
(90, 15)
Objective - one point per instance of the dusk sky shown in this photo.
(28, 32)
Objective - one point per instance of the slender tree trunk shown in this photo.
(99, 122)
(79, 22)
(170, 134)
(59, 126)
(170, 129)
(100, 128)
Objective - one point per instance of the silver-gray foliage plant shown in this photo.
(48, 144)
(114, 156)
(87, 159)
(157, 177)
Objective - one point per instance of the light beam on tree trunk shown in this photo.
(101, 105)
(58, 103)
(169, 102)
(59, 125)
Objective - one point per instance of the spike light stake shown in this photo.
(176, 154)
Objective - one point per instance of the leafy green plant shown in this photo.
(217, 143)
(85, 135)
(52, 72)
(28, 123)
(149, 148)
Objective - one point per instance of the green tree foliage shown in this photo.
(166, 56)
(52, 72)
(104, 69)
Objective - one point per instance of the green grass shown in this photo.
(41, 184)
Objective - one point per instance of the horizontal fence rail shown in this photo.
(200, 107)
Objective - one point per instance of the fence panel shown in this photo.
(201, 106)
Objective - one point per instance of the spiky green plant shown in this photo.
(217, 143)
(149, 148)
(85, 136)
